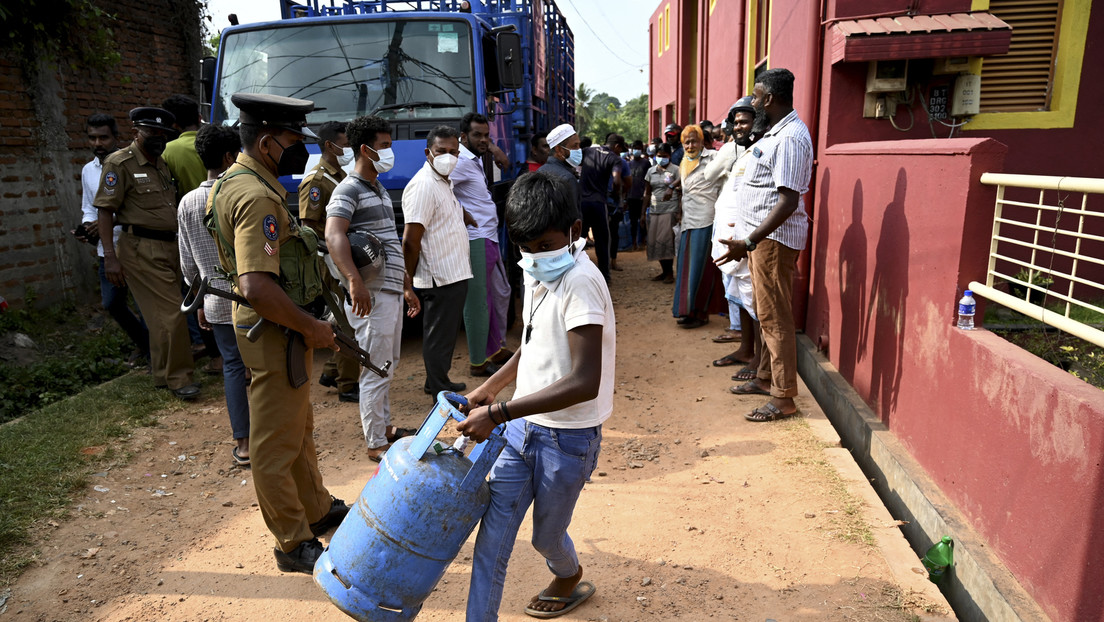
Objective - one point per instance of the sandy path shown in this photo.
(693, 513)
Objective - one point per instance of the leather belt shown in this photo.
(152, 234)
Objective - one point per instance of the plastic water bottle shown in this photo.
(939, 557)
(966, 308)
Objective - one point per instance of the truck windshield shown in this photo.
(396, 69)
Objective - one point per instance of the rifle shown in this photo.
(296, 346)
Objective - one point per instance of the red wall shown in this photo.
(663, 84)
(721, 51)
(1014, 442)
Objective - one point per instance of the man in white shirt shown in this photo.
(488, 297)
(435, 250)
(103, 138)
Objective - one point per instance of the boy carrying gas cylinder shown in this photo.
(564, 372)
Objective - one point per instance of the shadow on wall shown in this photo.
(818, 302)
(886, 310)
(852, 288)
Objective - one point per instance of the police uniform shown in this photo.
(254, 222)
(142, 195)
(314, 195)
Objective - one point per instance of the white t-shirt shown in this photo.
(578, 298)
(90, 185)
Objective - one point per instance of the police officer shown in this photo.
(137, 190)
(340, 371)
(253, 227)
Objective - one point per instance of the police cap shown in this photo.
(276, 111)
(157, 118)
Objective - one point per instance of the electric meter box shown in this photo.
(887, 76)
(966, 100)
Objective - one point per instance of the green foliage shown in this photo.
(74, 30)
(41, 464)
(598, 114)
(66, 359)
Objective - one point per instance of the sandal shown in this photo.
(728, 360)
(727, 337)
(746, 373)
(238, 458)
(748, 388)
(768, 412)
(400, 433)
(583, 591)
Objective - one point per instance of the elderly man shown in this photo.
(774, 211)
(565, 153)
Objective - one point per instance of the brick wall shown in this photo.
(43, 146)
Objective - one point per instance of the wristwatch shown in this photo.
(749, 245)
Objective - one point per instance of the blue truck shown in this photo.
(416, 63)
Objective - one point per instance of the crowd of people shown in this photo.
(718, 209)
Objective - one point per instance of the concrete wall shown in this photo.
(43, 145)
(1013, 442)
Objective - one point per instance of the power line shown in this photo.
(587, 24)
(616, 31)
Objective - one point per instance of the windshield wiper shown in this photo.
(415, 105)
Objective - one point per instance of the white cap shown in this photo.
(559, 134)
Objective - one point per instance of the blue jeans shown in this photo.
(114, 300)
(545, 467)
(233, 379)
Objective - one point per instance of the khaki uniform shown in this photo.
(314, 195)
(143, 197)
(253, 219)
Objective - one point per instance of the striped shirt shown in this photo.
(428, 201)
(783, 158)
(469, 184)
(198, 252)
(367, 207)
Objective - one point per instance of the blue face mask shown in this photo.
(664, 161)
(575, 158)
(636, 152)
(548, 266)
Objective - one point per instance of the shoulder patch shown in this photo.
(110, 179)
(271, 230)
(315, 193)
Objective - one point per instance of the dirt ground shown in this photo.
(693, 512)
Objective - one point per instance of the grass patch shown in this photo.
(1072, 354)
(41, 464)
(806, 451)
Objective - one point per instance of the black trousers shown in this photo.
(442, 312)
(596, 218)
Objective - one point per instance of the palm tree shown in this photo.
(583, 114)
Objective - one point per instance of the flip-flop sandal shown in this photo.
(400, 433)
(583, 591)
(238, 459)
(768, 412)
(746, 373)
(748, 388)
(728, 361)
(726, 337)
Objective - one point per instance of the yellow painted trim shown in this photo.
(712, 5)
(667, 28)
(659, 35)
(749, 45)
(979, 5)
(1072, 38)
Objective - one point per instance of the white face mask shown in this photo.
(346, 156)
(386, 160)
(444, 164)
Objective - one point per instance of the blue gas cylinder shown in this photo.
(409, 522)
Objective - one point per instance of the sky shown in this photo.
(611, 35)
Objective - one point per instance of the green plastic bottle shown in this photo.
(939, 557)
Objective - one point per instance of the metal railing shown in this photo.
(1031, 236)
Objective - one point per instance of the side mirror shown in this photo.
(207, 77)
(510, 61)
